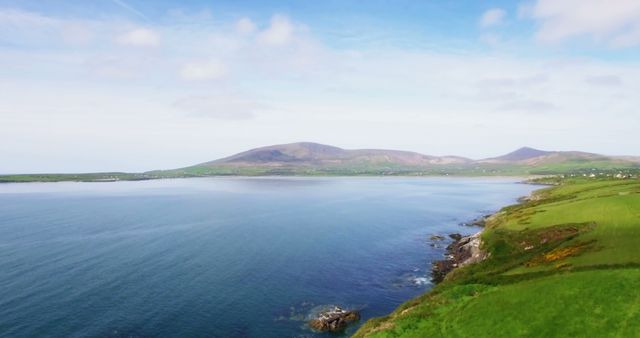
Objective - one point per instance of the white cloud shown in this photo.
(615, 23)
(203, 70)
(280, 31)
(492, 17)
(245, 26)
(388, 97)
(140, 37)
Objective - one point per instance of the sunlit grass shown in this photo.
(564, 264)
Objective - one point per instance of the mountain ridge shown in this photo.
(311, 151)
(315, 159)
(309, 158)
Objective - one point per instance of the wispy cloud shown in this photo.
(245, 26)
(616, 24)
(213, 71)
(280, 31)
(17, 17)
(492, 17)
(140, 37)
(203, 70)
(130, 9)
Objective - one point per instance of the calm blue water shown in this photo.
(222, 257)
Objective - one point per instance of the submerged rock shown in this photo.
(436, 238)
(334, 319)
(455, 237)
(478, 222)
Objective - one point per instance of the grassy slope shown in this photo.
(564, 264)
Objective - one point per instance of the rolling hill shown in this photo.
(306, 158)
(535, 157)
(313, 159)
(314, 154)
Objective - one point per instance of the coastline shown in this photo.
(467, 250)
(559, 251)
(463, 251)
(133, 177)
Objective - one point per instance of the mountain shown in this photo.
(314, 154)
(307, 158)
(536, 157)
(521, 154)
(635, 159)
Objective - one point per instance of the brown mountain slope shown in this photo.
(314, 154)
(534, 157)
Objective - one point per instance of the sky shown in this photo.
(136, 85)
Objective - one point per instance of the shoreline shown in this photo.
(553, 254)
(463, 251)
(524, 179)
(467, 250)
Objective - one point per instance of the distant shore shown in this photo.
(118, 177)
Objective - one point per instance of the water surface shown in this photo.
(222, 257)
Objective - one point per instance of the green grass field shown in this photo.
(564, 264)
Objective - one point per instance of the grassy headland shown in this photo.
(563, 263)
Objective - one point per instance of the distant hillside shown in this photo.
(306, 158)
(524, 153)
(311, 159)
(314, 154)
(535, 157)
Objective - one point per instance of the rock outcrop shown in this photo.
(463, 251)
(334, 319)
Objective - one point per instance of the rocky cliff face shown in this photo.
(463, 251)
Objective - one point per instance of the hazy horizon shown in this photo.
(137, 85)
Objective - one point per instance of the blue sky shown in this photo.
(138, 85)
